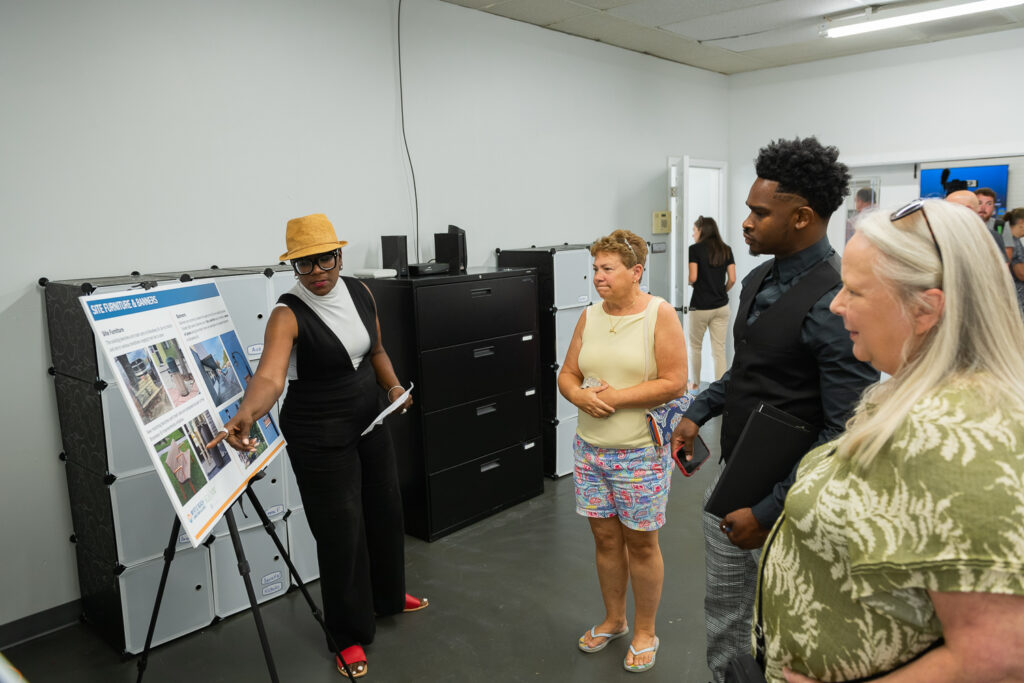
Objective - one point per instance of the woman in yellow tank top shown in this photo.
(627, 355)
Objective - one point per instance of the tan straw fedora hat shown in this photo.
(312, 234)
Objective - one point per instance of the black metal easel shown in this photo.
(243, 569)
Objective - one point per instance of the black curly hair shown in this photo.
(806, 168)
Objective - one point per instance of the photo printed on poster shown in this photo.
(182, 372)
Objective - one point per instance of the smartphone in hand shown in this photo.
(700, 454)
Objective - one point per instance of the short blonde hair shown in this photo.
(629, 247)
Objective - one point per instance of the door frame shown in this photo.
(678, 176)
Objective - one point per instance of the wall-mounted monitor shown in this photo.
(938, 182)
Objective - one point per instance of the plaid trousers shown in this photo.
(731, 583)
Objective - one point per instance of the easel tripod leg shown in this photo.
(168, 556)
(317, 614)
(243, 569)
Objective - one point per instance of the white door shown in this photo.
(696, 188)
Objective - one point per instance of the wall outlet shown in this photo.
(661, 223)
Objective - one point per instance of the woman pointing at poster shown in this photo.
(324, 339)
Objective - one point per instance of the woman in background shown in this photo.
(900, 551)
(712, 275)
(627, 354)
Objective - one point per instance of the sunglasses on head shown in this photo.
(912, 208)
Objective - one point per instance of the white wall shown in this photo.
(155, 137)
(946, 100)
(526, 136)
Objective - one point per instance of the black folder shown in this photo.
(770, 445)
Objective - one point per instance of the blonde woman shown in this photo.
(627, 354)
(900, 553)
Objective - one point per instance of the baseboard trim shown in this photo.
(39, 624)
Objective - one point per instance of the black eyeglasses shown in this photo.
(914, 207)
(327, 261)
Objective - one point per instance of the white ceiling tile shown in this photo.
(731, 36)
(658, 43)
(976, 23)
(767, 17)
(798, 53)
(474, 4)
(539, 12)
(695, 54)
(597, 26)
(604, 4)
(795, 34)
(662, 12)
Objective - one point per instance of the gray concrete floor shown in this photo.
(509, 597)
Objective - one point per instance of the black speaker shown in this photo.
(394, 253)
(450, 248)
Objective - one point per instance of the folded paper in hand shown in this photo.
(395, 405)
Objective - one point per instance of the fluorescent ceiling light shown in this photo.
(921, 17)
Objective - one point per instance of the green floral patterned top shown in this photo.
(846, 578)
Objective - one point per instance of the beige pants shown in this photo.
(716, 321)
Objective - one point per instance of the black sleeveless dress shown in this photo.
(348, 483)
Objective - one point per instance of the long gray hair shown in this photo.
(978, 337)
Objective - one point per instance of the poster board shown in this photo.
(182, 372)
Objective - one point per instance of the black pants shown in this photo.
(354, 510)
(349, 488)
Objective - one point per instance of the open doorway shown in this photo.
(696, 187)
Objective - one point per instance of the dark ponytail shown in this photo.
(707, 233)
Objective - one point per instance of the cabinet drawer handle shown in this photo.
(483, 291)
(488, 466)
(483, 352)
(486, 410)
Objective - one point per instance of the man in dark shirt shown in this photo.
(986, 211)
(799, 359)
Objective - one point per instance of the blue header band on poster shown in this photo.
(149, 300)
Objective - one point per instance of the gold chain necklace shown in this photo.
(618, 319)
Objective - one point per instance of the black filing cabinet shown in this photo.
(469, 342)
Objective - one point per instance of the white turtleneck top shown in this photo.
(339, 313)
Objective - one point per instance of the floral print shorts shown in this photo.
(629, 483)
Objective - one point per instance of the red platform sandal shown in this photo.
(413, 604)
(356, 660)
